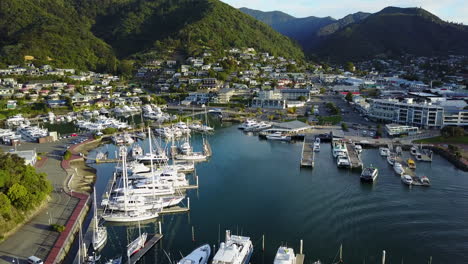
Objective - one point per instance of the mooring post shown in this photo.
(263, 242)
(160, 228)
(188, 202)
(193, 233)
(300, 247)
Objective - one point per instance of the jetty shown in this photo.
(307, 157)
(355, 161)
(148, 245)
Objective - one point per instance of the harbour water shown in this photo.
(255, 187)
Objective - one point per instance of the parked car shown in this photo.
(35, 260)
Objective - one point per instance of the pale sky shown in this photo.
(449, 10)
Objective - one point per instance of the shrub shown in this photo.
(344, 126)
(58, 228)
(67, 155)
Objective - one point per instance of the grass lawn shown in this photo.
(442, 140)
(329, 120)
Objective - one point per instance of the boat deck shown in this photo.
(354, 157)
(175, 210)
(149, 244)
(307, 158)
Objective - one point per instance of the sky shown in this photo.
(449, 10)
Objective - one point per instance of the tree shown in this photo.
(323, 90)
(67, 155)
(19, 196)
(349, 97)
(5, 205)
(344, 126)
(452, 131)
(302, 98)
(126, 68)
(350, 67)
(379, 131)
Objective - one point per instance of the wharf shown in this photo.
(300, 258)
(137, 256)
(175, 210)
(354, 157)
(307, 158)
(404, 163)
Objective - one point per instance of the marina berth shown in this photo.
(235, 250)
(200, 255)
(342, 161)
(317, 144)
(339, 148)
(391, 159)
(406, 179)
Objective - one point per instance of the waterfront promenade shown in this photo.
(64, 208)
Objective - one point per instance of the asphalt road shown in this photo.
(35, 237)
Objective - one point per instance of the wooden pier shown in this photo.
(355, 161)
(175, 210)
(307, 158)
(149, 244)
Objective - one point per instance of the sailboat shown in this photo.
(186, 152)
(99, 232)
(136, 244)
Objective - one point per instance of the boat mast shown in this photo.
(95, 216)
(124, 175)
(151, 161)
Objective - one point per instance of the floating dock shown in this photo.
(307, 158)
(149, 244)
(175, 210)
(355, 161)
(300, 258)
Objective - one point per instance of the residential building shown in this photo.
(396, 130)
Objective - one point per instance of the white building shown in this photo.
(396, 130)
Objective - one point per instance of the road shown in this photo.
(35, 237)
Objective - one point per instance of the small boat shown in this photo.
(198, 256)
(278, 136)
(117, 260)
(391, 159)
(384, 152)
(369, 174)
(398, 168)
(317, 144)
(247, 124)
(358, 148)
(414, 150)
(406, 179)
(411, 164)
(285, 255)
(425, 181)
(343, 161)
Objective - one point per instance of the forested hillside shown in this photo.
(87, 34)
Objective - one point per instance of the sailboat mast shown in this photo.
(124, 175)
(150, 139)
(95, 215)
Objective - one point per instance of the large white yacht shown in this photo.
(247, 124)
(235, 250)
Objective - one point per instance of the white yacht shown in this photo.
(198, 256)
(235, 250)
(317, 144)
(278, 136)
(358, 148)
(247, 124)
(398, 168)
(384, 152)
(159, 157)
(140, 202)
(137, 150)
(342, 161)
(285, 255)
(406, 179)
(339, 148)
(186, 152)
(134, 167)
(391, 159)
(99, 232)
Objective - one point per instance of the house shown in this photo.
(29, 156)
(210, 83)
(56, 103)
(11, 104)
(224, 95)
(103, 103)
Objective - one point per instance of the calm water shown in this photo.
(256, 187)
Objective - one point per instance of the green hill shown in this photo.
(89, 34)
(393, 32)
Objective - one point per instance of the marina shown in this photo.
(189, 231)
(148, 246)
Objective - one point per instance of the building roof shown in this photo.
(27, 155)
(295, 125)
